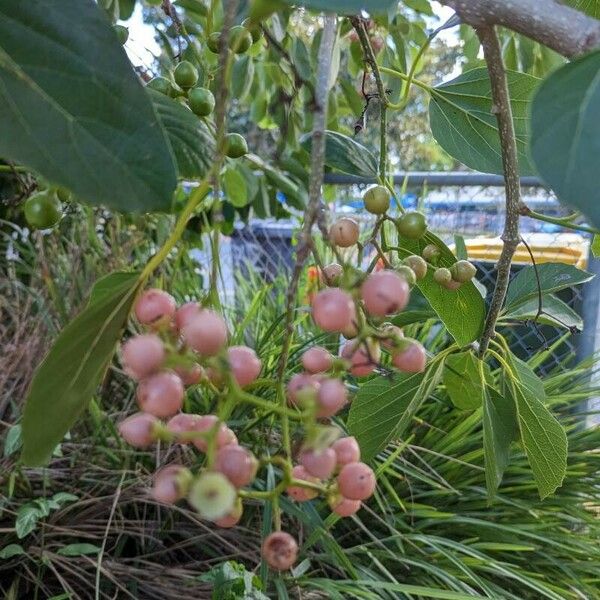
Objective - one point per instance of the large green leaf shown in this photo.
(463, 380)
(72, 108)
(554, 312)
(344, 154)
(192, 143)
(565, 130)
(542, 436)
(553, 277)
(66, 379)
(499, 430)
(591, 7)
(463, 123)
(462, 311)
(384, 407)
(347, 7)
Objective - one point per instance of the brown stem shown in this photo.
(502, 109)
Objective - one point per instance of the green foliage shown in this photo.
(29, 514)
(82, 116)
(591, 7)
(463, 380)
(553, 311)
(345, 7)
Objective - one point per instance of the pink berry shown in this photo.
(351, 330)
(356, 481)
(346, 450)
(302, 494)
(331, 397)
(331, 273)
(364, 358)
(237, 464)
(345, 507)
(320, 463)
(244, 364)
(190, 375)
(411, 360)
(385, 293)
(161, 394)
(155, 307)
(232, 518)
(142, 355)
(185, 312)
(139, 430)
(170, 484)
(344, 232)
(280, 550)
(302, 388)
(332, 309)
(224, 436)
(182, 423)
(317, 360)
(205, 332)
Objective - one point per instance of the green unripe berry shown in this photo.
(42, 210)
(407, 273)
(185, 74)
(63, 194)
(240, 39)
(212, 495)
(412, 225)
(122, 33)
(377, 200)
(201, 100)
(235, 145)
(463, 271)
(213, 42)
(431, 253)
(161, 84)
(417, 264)
(442, 276)
(255, 30)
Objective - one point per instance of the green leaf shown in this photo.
(564, 133)
(11, 550)
(460, 247)
(242, 77)
(463, 381)
(346, 7)
(555, 312)
(73, 108)
(346, 155)
(192, 143)
(499, 430)
(62, 497)
(234, 186)
(78, 550)
(384, 407)
(462, 311)
(68, 376)
(407, 317)
(596, 246)
(302, 59)
(591, 7)
(542, 436)
(553, 277)
(462, 121)
(13, 440)
(27, 519)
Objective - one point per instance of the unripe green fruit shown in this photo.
(255, 30)
(442, 276)
(42, 210)
(213, 42)
(122, 33)
(201, 100)
(240, 39)
(463, 271)
(64, 195)
(417, 264)
(431, 253)
(235, 145)
(377, 200)
(412, 225)
(185, 74)
(407, 273)
(212, 495)
(161, 84)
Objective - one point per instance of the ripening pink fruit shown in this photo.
(363, 359)
(331, 397)
(182, 423)
(190, 375)
(302, 389)
(346, 450)
(155, 307)
(205, 423)
(356, 481)
(351, 330)
(331, 274)
(205, 332)
(317, 360)
(171, 484)
(394, 333)
(332, 309)
(280, 550)
(139, 430)
(344, 232)
(344, 506)
(244, 364)
(302, 494)
(319, 463)
(384, 293)
(232, 518)
(161, 394)
(142, 355)
(237, 464)
(411, 360)
(452, 285)
(184, 312)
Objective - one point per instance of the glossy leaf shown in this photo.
(346, 7)
(234, 186)
(462, 121)
(463, 381)
(68, 376)
(346, 155)
(73, 108)
(564, 133)
(553, 277)
(554, 312)
(192, 143)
